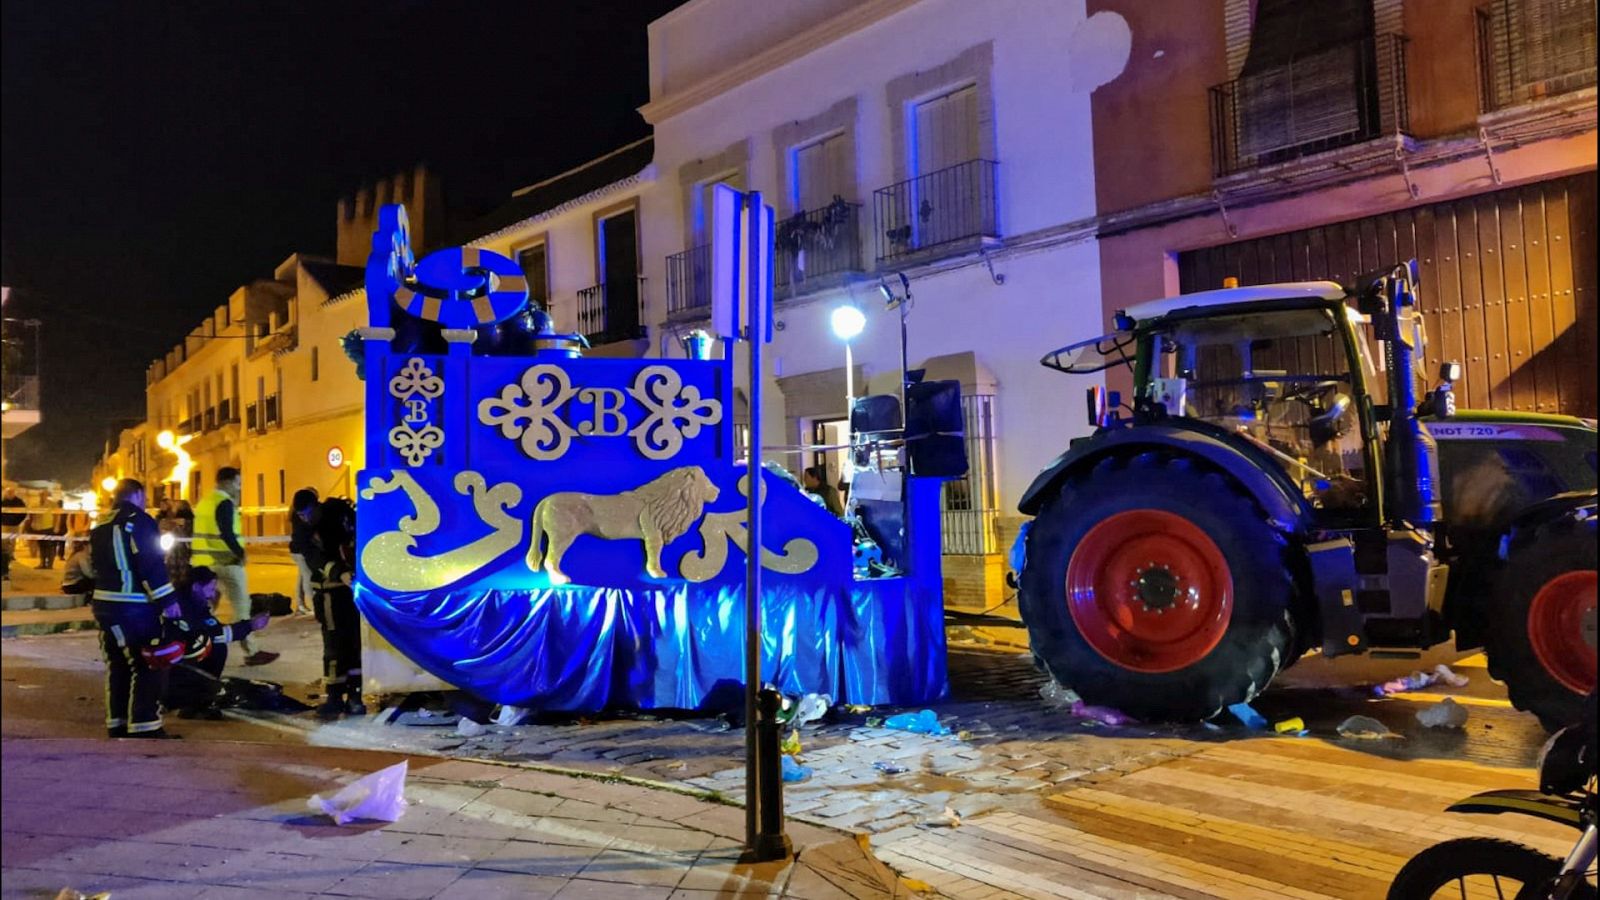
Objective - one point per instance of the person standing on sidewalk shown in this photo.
(131, 597)
(10, 525)
(302, 512)
(218, 525)
(334, 561)
(42, 525)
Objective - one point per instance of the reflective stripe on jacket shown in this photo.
(208, 548)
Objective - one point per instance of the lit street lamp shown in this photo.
(848, 322)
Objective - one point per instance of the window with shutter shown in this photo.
(534, 262)
(822, 171)
(945, 131)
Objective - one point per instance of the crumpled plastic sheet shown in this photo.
(379, 797)
(680, 647)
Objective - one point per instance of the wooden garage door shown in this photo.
(1508, 285)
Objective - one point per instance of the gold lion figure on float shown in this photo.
(657, 513)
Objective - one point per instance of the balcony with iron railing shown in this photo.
(272, 412)
(815, 248)
(1334, 97)
(20, 392)
(607, 314)
(1529, 50)
(210, 421)
(689, 283)
(947, 210)
(252, 417)
(19, 372)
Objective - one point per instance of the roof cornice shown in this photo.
(643, 176)
(813, 38)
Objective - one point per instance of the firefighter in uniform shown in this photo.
(333, 569)
(195, 688)
(134, 608)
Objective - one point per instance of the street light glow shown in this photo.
(108, 483)
(848, 321)
(170, 442)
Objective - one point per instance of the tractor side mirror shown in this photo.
(1097, 406)
(1450, 372)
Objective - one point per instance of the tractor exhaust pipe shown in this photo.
(1411, 453)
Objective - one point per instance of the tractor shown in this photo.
(1284, 481)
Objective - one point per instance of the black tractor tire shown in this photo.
(1259, 632)
(1535, 556)
(1443, 865)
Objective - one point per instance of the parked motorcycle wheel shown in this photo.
(1485, 862)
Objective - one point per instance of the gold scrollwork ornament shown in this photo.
(415, 378)
(416, 445)
(669, 401)
(717, 530)
(388, 560)
(528, 412)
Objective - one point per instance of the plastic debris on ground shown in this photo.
(468, 728)
(947, 819)
(1248, 717)
(791, 743)
(425, 718)
(1446, 714)
(70, 894)
(510, 715)
(1295, 725)
(1105, 715)
(811, 708)
(925, 722)
(1056, 695)
(793, 771)
(1365, 728)
(857, 709)
(1416, 681)
(889, 768)
(379, 797)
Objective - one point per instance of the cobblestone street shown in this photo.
(1049, 805)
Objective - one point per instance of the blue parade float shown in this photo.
(565, 533)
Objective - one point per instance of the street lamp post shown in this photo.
(848, 322)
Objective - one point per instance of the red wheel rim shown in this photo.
(1149, 591)
(1556, 622)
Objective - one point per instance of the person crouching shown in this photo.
(333, 571)
(194, 687)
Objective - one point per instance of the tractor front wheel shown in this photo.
(1158, 588)
(1542, 643)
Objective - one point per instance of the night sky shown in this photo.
(158, 155)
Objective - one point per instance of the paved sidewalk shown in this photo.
(185, 820)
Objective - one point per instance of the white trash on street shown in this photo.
(378, 797)
(1446, 714)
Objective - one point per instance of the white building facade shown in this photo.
(945, 140)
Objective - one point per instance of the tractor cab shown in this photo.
(1296, 371)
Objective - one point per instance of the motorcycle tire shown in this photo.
(1442, 865)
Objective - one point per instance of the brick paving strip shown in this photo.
(184, 820)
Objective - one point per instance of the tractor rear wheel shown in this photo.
(1157, 588)
(1542, 634)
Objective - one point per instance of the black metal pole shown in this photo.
(752, 580)
(764, 837)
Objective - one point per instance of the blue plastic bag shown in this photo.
(793, 771)
(924, 722)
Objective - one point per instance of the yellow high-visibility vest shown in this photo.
(208, 548)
